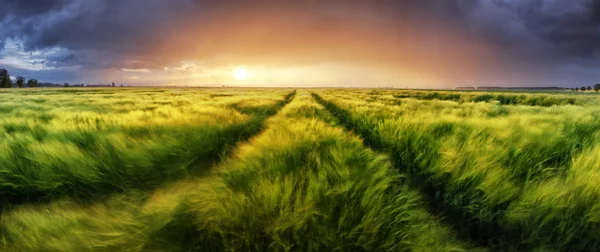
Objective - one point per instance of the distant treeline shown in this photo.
(6, 82)
(21, 82)
(596, 88)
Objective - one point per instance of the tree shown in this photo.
(5, 81)
(113, 84)
(583, 88)
(589, 88)
(597, 87)
(20, 81)
(32, 83)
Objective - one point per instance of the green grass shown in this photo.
(505, 181)
(279, 170)
(86, 154)
(304, 185)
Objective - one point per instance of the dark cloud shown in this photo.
(455, 39)
(78, 24)
(19, 8)
(100, 29)
(572, 26)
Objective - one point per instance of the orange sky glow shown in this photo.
(296, 45)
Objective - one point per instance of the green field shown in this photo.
(298, 170)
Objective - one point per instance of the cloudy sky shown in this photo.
(367, 43)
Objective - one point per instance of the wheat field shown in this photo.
(232, 169)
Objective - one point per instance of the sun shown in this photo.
(240, 73)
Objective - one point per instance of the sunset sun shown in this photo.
(240, 73)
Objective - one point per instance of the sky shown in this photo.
(304, 43)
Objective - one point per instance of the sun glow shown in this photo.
(240, 73)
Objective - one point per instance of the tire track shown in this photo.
(370, 139)
(307, 185)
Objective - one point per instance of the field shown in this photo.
(298, 170)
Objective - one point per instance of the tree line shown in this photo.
(6, 82)
(588, 88)
(20, 82)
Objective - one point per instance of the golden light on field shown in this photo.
(240, 73)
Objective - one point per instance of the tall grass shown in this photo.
(304, 185)
(84, 153)
(156, 170)
(485, 173)
(134, 220)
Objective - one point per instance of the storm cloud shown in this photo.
(442, 43)
(573, 27)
